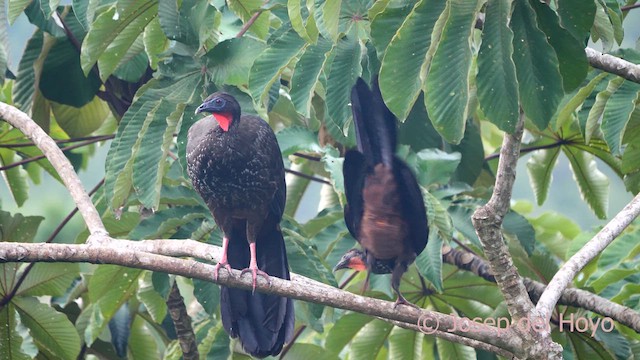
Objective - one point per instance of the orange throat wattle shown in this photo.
(224, 120)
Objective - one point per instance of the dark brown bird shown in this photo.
(235, 164)
(385, 211)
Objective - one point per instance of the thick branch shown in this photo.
(613, 65)
(60, 162)
(587, 253)
(570, 297)
(182, 324)
(488, 223)
(134, 254)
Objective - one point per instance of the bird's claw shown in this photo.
(217, 268)
(402, 301)
(255, 272)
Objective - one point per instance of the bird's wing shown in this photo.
(375, 124)
(354, 171)
(413, 203)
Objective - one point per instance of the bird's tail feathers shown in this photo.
(375, 125)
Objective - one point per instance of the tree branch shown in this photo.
(138, 254)
(614, 65)
(182, 322)
(570, 297)
(60, 162)
(588, 252)
(487, 221)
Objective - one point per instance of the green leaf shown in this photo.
(16, 7)
(155, 42)
(446, 91)
(540, 169)
(593, 184)
(62, 79)
(518, 225)
(461, 219)
(24, 88)
(602, 28)
(343, 331)
(496, 79)
(407, 344)
(109, 288)
(577, 17)
(611, 277)
(329, 15)
(539, 80)
(307, 74)
(333, 164)
(617, 113)
(245, 9)
(407, 51)
(345, 69)
(142, 342)
(572, 59)
(165, 222)
(85, 11)
(302, 351)
(229, 62)
(78, 122)
(598, 107)
(472, 150)
(436, 166)
(369, 342)
(149, 165)
(306, 28)
(141, 116)
(449, 350)
(565, 112)
(271, 62)
(297, 138)
(386, 24)
(429, 262)
(152, 300)
(54, 334)
(49, 279)
(18, 228)
(113, 32)
(11, 340)
(15, 178)
(207, 294)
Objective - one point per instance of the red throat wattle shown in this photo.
(223, 119)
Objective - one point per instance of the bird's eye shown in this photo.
(218, 101)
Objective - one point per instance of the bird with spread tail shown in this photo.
(385, 211)
(235, 164)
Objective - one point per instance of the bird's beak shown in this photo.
(201, 108)
(342, 264)
(351, 260)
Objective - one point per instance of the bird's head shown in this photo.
(353, 259)
(224, 108)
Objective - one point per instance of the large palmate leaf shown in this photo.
(572, 60)
(404, 60)
(113, 32)
(447, 85)
(497, 85)
(52, 332)
(537, 68)
(271, 62)
(307, 74)
(345, 68)
(11, 340)
(578, 26)
(592, 183)
(540, 169)
(617, 113)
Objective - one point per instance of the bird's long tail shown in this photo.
(374, 123)
(262, 322)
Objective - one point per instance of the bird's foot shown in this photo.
(217, 268)
(255, 272)
(402, 301)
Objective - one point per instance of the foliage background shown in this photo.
(322, 332)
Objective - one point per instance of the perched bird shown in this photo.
(235, 164)
(385, 211)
